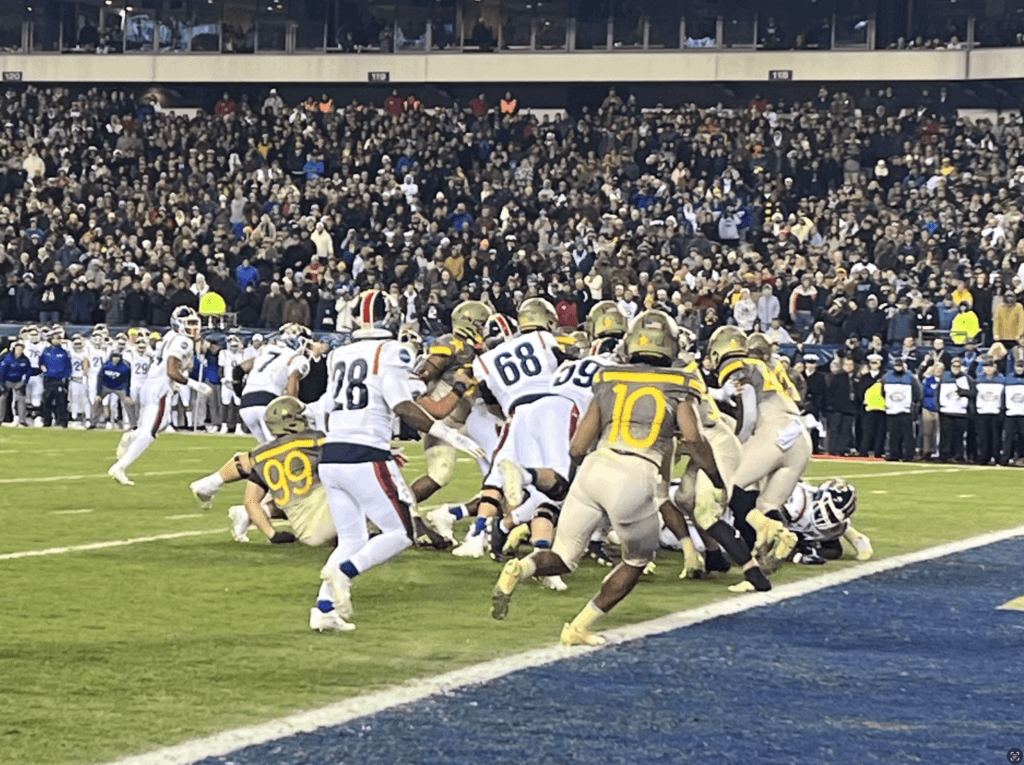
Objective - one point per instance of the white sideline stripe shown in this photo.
(179, 517)
(50, 478)
(73, 512)
(371, 703)
(102, 545)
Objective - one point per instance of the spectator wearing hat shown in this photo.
(956, 395)
(930, 410)
(1013, 423)
(843, 405)
(903, 323)
(903, 394)
(1008, 322)
(872, 418)
(988, 411)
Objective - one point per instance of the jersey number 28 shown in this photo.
(351, 392)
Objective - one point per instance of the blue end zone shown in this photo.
(912, 665)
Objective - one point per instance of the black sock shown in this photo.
(714, 560)
(757, 578)
(730, 541)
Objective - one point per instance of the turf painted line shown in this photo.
(104, 545)
(416, 690)
(73, 512)
(51, 478)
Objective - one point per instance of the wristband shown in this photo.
(459, 389)
(193, 384)
(440, 430)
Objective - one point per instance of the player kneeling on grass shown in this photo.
(633, 420)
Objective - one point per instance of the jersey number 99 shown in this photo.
(292, 475)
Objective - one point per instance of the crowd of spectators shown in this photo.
(861, 221)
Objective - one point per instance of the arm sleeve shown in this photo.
(298, 364)
(396, 377)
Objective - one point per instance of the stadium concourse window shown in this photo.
(1000, 30)
(853, 22)
(701, 24)
(44, 26)
(739, 24)
(11, 25)
(794, 25)
(238, 27)
(663, 22)
(190, 25)
(445, 26)
(941, 24)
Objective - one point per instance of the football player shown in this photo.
(169, 369)
(632, 421)
(274, 371)
(139, 356)
(35, 343)
(776, 445)
(511, 375)
(228, 359)
(760, 347)
(820, 517)
(78, 386)
(370, 384)
(98, 354)
(448, 355)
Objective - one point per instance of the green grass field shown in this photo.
(122, 649)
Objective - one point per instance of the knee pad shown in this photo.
(559, 491)
(239, 466)
(488, 502)
(440, 464)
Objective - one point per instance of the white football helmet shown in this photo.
(78, 343)
(186, 321)
(834, 502)
(234, 343)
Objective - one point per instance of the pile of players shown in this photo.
(577, 438)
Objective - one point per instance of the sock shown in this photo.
(459, 511)
(504, 526)
(139, 444)
(542, 544)
(585, 618)
(378, 550)
(349, 570)
(527, 567)
(523, 513)
(213, 482)
(530, 478)
(480, 526)
(756, 577)
(324, 598)
(714, 560)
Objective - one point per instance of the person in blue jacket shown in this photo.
(55, 364)
(1013, 422)
(115, 379)
(15, 369)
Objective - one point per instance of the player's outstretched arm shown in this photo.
(414, 415)
(586, 434)
(694, 443)
(254, 494)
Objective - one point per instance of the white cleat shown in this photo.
(863, 547)
(512, 475)
(341, 589)
(240, 523)
(110, 425)
(118, 475)
(38, 422)
(554, 583)
(472, 547)
(329, 622)
(205, 498)
(442, 521)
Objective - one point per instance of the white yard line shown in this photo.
(361, 706)
(179, 517)
(103, 545)
(73, 512)
(51, 478)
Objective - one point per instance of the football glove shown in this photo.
(282, 538)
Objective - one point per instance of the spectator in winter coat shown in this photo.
(296, 310)
(767, 306)
(745, 311)
(903, 323)
(272, 311)
(1008, 322)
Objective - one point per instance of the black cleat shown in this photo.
(596, 551)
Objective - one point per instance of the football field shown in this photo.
(132, 620)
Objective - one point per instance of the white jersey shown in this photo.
(250, 351)
(798, 514)
(97, 357)
(174, 345)
(520, 369)
(33, 351)
(366, 381)
(575, 379)
(227, 360)
(140, 362)
(272, 367)
(79, 360)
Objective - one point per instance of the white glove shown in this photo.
(726, 393)
(200, 387)
(456, 439)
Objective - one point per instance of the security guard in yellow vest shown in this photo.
(872, 440)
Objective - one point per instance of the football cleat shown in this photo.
(118, 475)
(443, 522)
(861, 544)
(596, 550)
(651, 569)
(427, 537)
(240, 523)
(693, 561)
(472, 547)
(341, 589)
(810, 557)
(502, 594)
(329, 622)
(205, 498)
(578, 636)
(512, 475)
(498, 539)
(554, 583)
(785, 544)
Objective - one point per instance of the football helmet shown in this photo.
(469, 318)
(606, 319)
(78, 343)
(412, 342)
(498, 329)
(286, 415)
(652, 333)
(725, 343)
(141, 343)
(57, 331)
(582, 340)
(234, 343)
(372, 319)
(186, 321)
(102, 330)
(30, 334)
(834, 502)
(297, 337)
(537, 313)
(759, 346)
